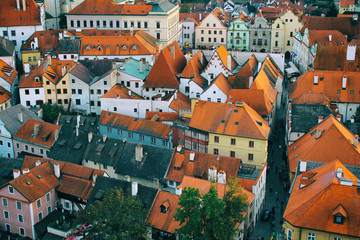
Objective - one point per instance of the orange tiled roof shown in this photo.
(255, 98)
(38, 187)
(10, 16)
(53, 72)
(47, 40)
(346, 3)
(321, 37)
(329, 84)
(181, 102)
(101, 7)
(29, 81)
(164, 221)
(200, 165)
(223, 53)
(311, 98)
(196, 16)
(118, 45)
(241, 79)
(222, 83)
(162, 116)
(248, 183)
(335, 142)
(46, 132)
(5, 95)
(166, 69)
(230, 119)
(7, 72)
(314, 206)
(263, 82)
(76, 180)
(194, 67)
(139, 125)
(119, 91)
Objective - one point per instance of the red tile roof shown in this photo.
(4, 95)
(241, 78)
(329, 84)
(139, 125)
(45, 137)
(31, 186)
(223, 54)
(311, 98)
(121, 92)
(200, 165)
(346, 3)
(321, 37)
(7, 72)
(195, 16)
(29, 81)
(162, 116)
(314, 206)
(180, 102)
(222, 83)
(194, 67)
(164, 221)
(10, 16)
(335, 142)
(47, 40)
(230, 119)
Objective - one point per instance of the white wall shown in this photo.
(213, 94)
(32, 97)
(100, 86)
(130, 82)
(84, 97)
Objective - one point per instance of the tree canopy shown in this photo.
(208, 217)
(117, 216)
(51, 112)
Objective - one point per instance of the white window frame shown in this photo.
(17, 205)
(18, 217)
(20, 231)
(37, 205)
(311, 236)
(289, 234)
(7, 202)
(11, 192)
(7, 213)
(42, 216)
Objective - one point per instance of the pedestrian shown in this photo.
(282, 202)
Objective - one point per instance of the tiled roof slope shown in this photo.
(54, 71)
(10, 16)
(200, 165)
(194, 67)
(222, 83)
(47, 132)
(346, 3)
(196, 17)
(75, 180)
(138, 125)
(311, 98)
(82, 73)
(223, 54)
(255, 98)
(119, 91)
(329, 83)
(47, 40)
(162, 116)
(7, 72)
(38, 187)
(7, 47)
(315, 205)
(229, 119)
(164, 221)
(5, 95)
(167, 68)
(335, 142)
(180, 102)
(321, 37)
(241, 79)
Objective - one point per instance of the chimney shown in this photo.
(36, 42)
(24, 5)
(57, 170)
(229, 62)
(201, 59)
(351, 52)
(18, 5)
(316, 79)
(330, 37)
(320, 119)
(49, 60)
(26, 69)
(178, 190)
(25, 170)
(178, 148)
(222, 177)
(175, 95)
(56, 134)
(344, 79)
(352, 119)
(172, 50)
(37, 163)
(356, 140)
(90, 136)
(78, 120)
(339, 172)
(104, 138)
(338, 117)
(199, 17)
(251, 80)
(134, 188)
(16, 173)
(94, 178)
(212, 173)
(138, 153)
(318, 134)
(36, 130)
(147, 66)
(141, 66)
(131, 31)
(63, 70)
(192, 157)
(355, 17)
(129, 92)
(21, 117)
(39, 63)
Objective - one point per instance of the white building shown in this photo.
(217, 91)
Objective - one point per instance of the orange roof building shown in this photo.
(217, 91)
(8, 77)
(324, 201)
(328, 140)
(5, 99)
(35, 137)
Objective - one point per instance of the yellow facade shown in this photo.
(283, 31)
(350, 8)
(226, 145)
(298, 233)
(57, 93)
(31, 57)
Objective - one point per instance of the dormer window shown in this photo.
(339, 214)
(124, 47)
(164, 206)
(338, 219)
(134, 47)
(99, 48)
(88, 48)
(37, 79)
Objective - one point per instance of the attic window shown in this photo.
(236, 123)
(37, 79)
(39, 176)
(222, 121)
(260, 123)
(134, 47)
(88, 48)
(235, 111)
(339, 219)
(124, 47)
(28, 183)
(164, 207)
(108, 46)
(99, 48)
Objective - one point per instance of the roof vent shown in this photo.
(192, 157)
(39, 176)
(260, 123)
(28, 183)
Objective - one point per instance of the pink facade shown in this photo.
(29, 211)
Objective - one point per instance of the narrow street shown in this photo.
(277, 183)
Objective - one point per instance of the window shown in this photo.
(291, 34)
(13, 33)
(117, 24)
(20, 218)
(165, 142)
(207, 25)
(157, 35)
(202, 31)
(98, 103)
(29, 59)
(145, 24)
(215, 32)
(289, 234)
(111, 24)
(49, 210)
(49, 91)
(85, 23)
(251, 157)
(277, 34)
(337, 238)
(5, 202)
(59, 101)
(216, 151)
(7, 227)
(232, 153)
(141, 137)
(91, 24)
(40, 215)
(79, 91)
(115, 109)
(58, 91)
(220, 32)
(26, 147)
(157, 24)
(105, 83)
(48, 197)
(38, 203)
(104, 23)
(32, 150)
(64, 91)
(214, 25)
(22, 231)
(153, 140)
(125, 24)
(92, 91)
(5, 33)
(99, 91)
(97, 23)
(27, 92)
(209, 39)
(92, 103)
(109, 130)
(135, 109)
(130, 134)
(209, 31)
(216, 139)
(139, 24)
(251, 144)
(311, 236)
(276, 43)
(73, 91)
(6, 215)
(222, 39)
(34, 58)
(136, 85)
(338, 219)
(233, 141)
(78, 102)
(119, 132)
(288, 42)
(41, 151)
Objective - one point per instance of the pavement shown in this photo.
(277, 180)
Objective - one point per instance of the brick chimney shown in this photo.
(212, 173)
(222, 177)
(16, 173)
(139, 153)
(338, 117)
(178, 190)
(134, 188)
(321, 118)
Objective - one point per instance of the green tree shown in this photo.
(316, 12)
(357, 114)
(332, 12)
(185, 8)
(118, 216)
(208, 217)
(51, 112)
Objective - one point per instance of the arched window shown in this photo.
(88, 48)
(133, 47)
(99, 48)
(124, 47)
